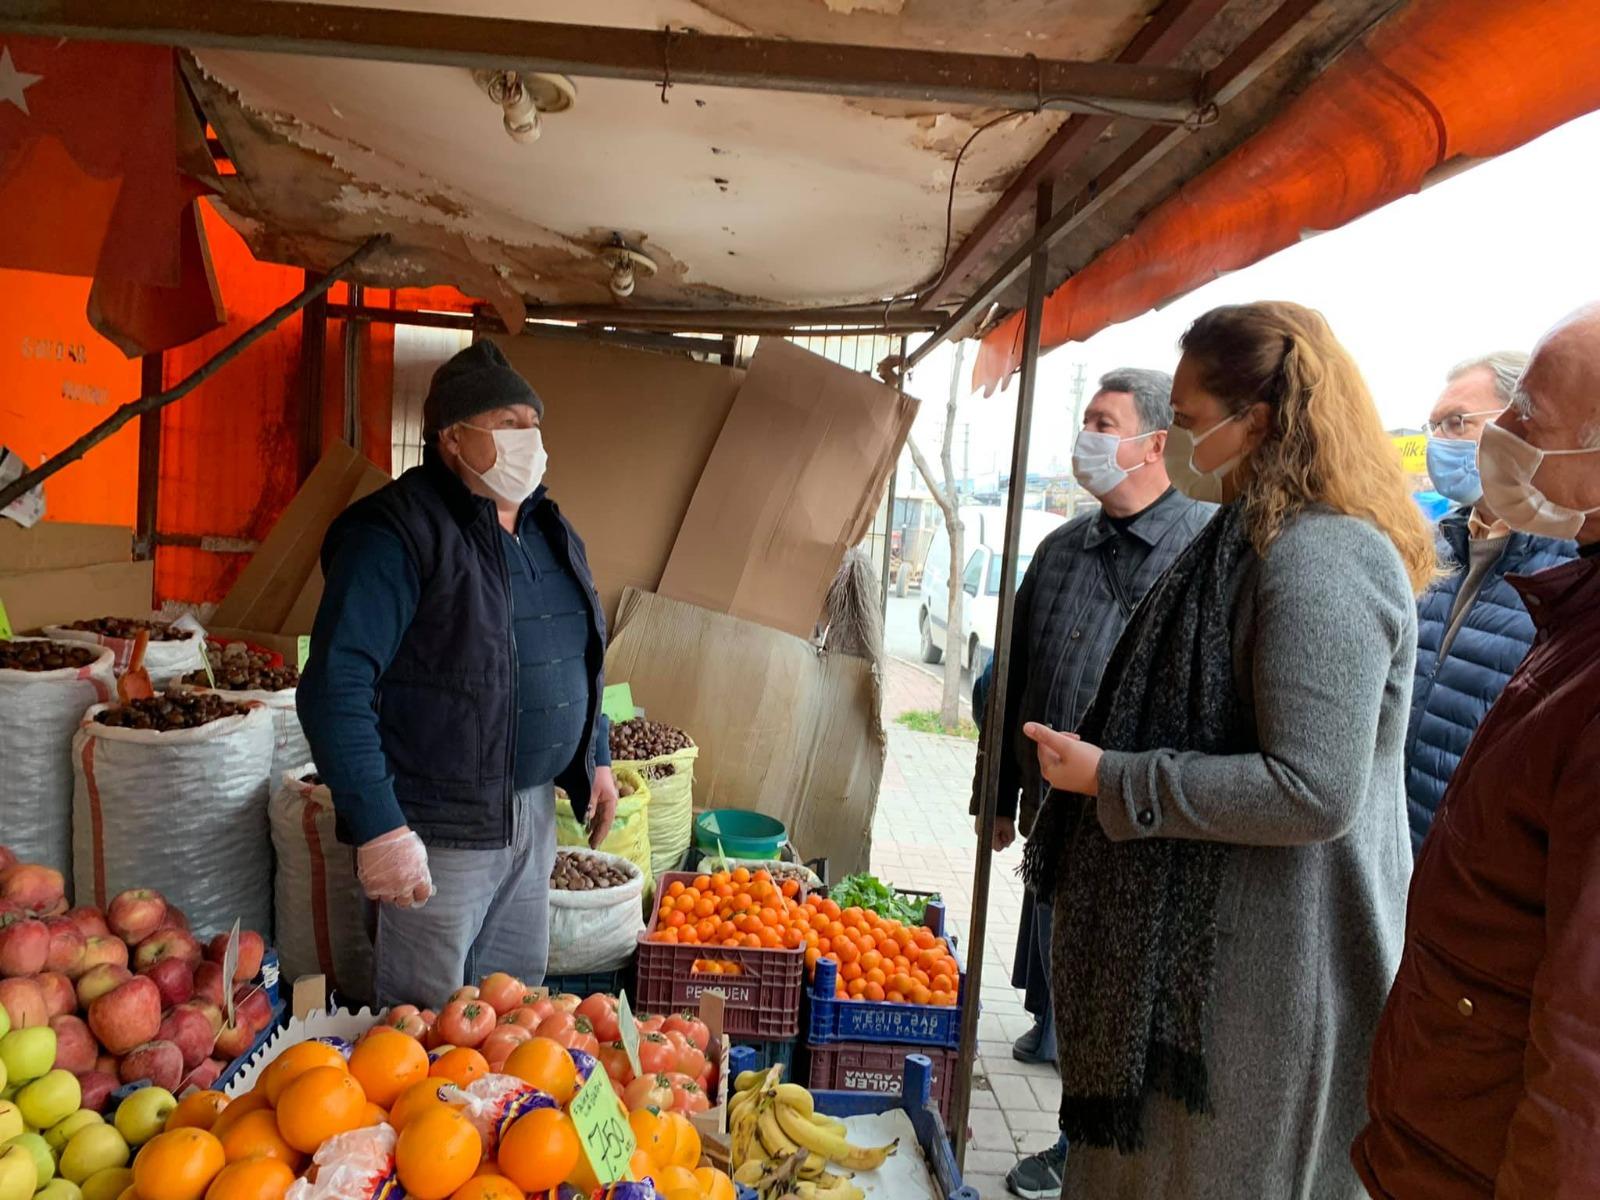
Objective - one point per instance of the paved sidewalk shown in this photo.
(922, 838)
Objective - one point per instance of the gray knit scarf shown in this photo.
(1135, 922)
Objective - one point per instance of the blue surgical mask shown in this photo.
(1453, 467)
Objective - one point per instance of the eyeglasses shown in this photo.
(1456, 425)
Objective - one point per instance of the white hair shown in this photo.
(1505, 366)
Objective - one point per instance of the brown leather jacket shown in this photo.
(1486, 1068)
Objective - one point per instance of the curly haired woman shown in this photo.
(1227, 849)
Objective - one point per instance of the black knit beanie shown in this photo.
(474, 381)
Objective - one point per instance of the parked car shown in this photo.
(984, 531)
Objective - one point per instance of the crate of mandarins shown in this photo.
(738, 932)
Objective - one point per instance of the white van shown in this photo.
(982, 541)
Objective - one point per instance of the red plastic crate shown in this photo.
(877, 1068)
(763, 999)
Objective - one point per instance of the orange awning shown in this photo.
(1441, 80)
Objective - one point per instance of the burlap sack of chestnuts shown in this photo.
(45, 688)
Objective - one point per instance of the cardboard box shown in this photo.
(783, 728)
(796, 476)
(37, 598)
(55, 546)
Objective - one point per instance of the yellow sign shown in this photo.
(1413, 453)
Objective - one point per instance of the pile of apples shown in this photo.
(677, 1073)
(121, 995)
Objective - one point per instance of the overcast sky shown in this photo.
(1484, 261)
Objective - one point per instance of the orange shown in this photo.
(256, 1135)
(714, 1185)
(198, 1110)
(539, 1150)
(459, 1066)
(251, 1179)
(436, 1153)
(654, 1134)
(675, 1179)
(177, 1166)
(294, 1062)
(238, 1110)
(686, 1147)
(321, 1103)
(415, 1099)
(386, 1062)
(488, 1187)
(547, 1065)
(642, 1166)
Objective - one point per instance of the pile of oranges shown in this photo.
(878, 959)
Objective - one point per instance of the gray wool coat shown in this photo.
(1312, 909)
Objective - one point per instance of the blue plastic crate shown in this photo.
(915, 1099)
(835, 1020)
(609, 983)
(771, 1054)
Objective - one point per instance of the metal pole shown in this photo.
(888, 516)
(147, 506)
(352, 373)
(313, 346)
(994, 716)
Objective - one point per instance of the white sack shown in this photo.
(164, 662)
(290, 752)
(596, 931)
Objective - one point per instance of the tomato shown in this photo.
(614, 1058)
(466, 1022)
(656, 1054)
(566, 1002)
(648, 1024)
(410, 1024)
(583, 1037)
(524, 1018)
(688, 1097)
(500, 991)
(649, 1091)
(497, 1047)
(464, 993)
(691, 1027)
(692, 1061)
(558, 1027)
(602, 1014)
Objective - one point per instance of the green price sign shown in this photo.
(603, 1128)
(303, 650)
(5, 623)
(617, 702)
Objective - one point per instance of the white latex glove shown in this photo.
(393, 869)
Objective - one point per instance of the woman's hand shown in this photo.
(1067, 763)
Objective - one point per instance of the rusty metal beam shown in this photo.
(1279, 34)
(647, 55)
(1159, 41)
(555, 318)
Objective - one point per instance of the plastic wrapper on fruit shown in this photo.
(340, 1044)
(358, 1165)
(180, 810)
(628, 1189)
(585, 1062)
(39, 713)
(494, 1102)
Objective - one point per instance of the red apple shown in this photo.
(203, 1076)
(235, 1039)
(191, 1032)
(208, 984)
(97, 1087)
(76, 1049)
(24, 947)
(97, 981)
(11, 911)
(67, 945)
(174, 978)
(159, 1062)
(251, 950)
(24, 1002)
(99, 950)
(8, 859)
(166, 943)
(106, 1063)
(211, 1013)
(252, 1007)
(176, 918)
(91, 922)
(59, 996)
(136, 914)
(33, 886)
(128, 1016)
(58, 909)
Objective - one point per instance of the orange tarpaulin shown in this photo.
(1441, 80)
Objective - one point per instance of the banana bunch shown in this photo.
(782, 1147)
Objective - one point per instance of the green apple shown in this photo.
(52, 1097)
(59, 1134)
(92, 1150)
(11, 1122)
(5, 1021)
(108, 1184)
(59, 1189)
(44, 1163)
(19, 1176)
(28, 1053)
(4, 1075)
(144, 1114)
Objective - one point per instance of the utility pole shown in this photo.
(1080, 381)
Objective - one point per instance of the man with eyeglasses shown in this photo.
(1472, 630)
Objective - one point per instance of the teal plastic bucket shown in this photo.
(739, 834)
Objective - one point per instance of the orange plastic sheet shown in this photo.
(1441, 80)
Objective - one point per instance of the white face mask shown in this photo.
(1189, 479)
(519, 463)
(1507, 465)
(1094, 461)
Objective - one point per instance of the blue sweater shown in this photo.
(370, 597)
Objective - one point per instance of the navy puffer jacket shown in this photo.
(1451, 698)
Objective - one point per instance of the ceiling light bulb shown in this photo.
(622, 279)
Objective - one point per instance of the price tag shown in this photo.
(617, 702)
(302, 645)
(5, 624)
(230, 964)
(628, 1031)
(603, 1129)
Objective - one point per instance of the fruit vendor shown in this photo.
(454, 682)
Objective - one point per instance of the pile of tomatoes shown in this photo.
(879, 959)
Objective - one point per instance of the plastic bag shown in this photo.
(289, 747)
(493, 1102)
(671, 805)
(181, 811)
(319, 909)
(596, 931)
(630, 831)
(358, 1165)
(165, 662)
(39, 713)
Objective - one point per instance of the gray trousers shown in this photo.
(490, 912)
